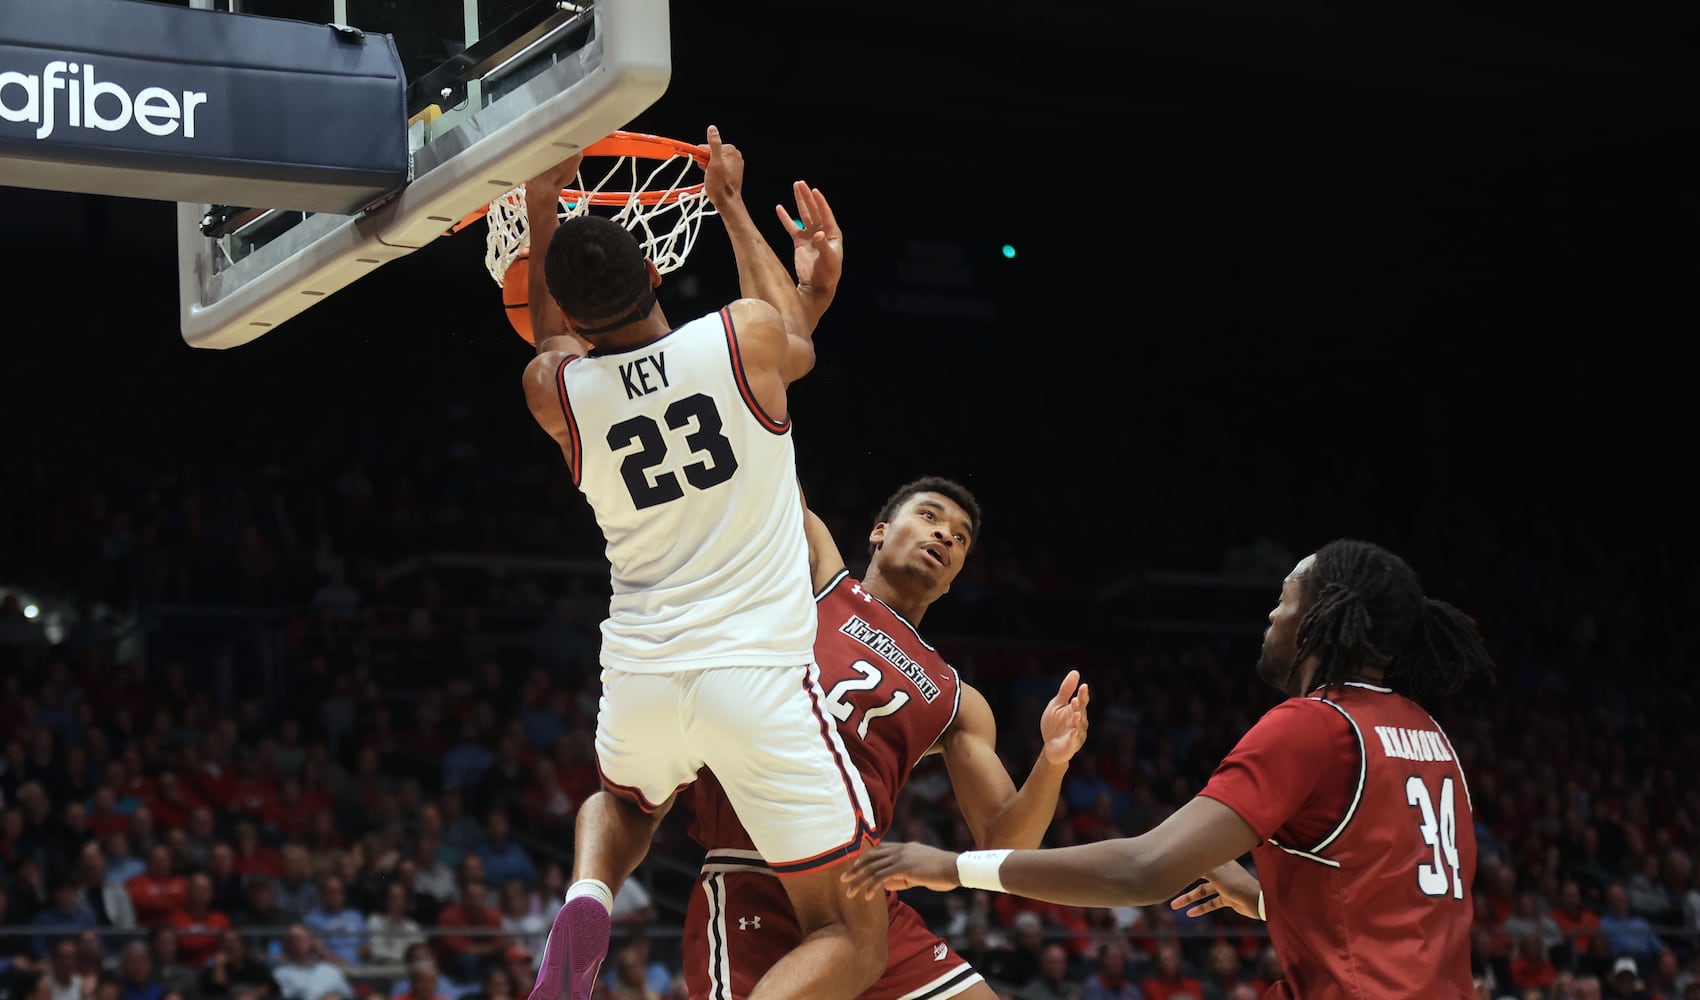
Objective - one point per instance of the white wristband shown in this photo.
(1260, 914)
(979, 869)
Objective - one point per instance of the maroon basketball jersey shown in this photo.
(891, 694)
(1374, 902)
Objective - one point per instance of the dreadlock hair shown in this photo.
(950, 488)
(596, 270)
(1367, 609)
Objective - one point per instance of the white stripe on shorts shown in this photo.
(863, 803)
(955, 981)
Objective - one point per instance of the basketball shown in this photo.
(515, 284)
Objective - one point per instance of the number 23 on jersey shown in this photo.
(702, 438)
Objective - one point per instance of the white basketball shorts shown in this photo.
(765, 733)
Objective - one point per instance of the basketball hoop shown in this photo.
(648, 182)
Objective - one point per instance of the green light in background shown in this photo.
(1008, 252)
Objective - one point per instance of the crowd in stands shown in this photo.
(385, 809)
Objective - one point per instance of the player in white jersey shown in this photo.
(680, 440)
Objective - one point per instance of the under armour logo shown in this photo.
(866, 597)
(940, 950)
(749, 923)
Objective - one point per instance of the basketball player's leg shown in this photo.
(779, 757)
(641, 770)
(739, 924)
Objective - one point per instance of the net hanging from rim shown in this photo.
(653, 185)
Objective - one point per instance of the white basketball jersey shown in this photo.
(696, 492)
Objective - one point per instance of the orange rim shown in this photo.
(634, 144)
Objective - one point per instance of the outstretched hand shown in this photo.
(900, 866)
(1229, 886)
(815, 238)
(1063, 724)
(723, 178)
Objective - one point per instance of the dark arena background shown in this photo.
(305, 632)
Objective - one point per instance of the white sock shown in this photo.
(595, 890)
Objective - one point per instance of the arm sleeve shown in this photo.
(1300, 757)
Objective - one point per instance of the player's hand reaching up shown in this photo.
(1228, 886)
(818, 244)
(1063, 725)
(559, 176)
(724, 176)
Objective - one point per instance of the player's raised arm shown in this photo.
(1140, 871)
(817, 247)
(786, 346)
(549, 328)
(825, 562)
(996, 812)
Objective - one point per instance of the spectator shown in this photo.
(64, 918)
(303, 974)
(1625, 981)
(168, 965)
(466, 956)
(1053, 983)
(1588, 988)
(135, 971)
(336, 923)
(527, 927)
(633, 906)
(499, 984)
(200, 928)
(1110, 981)
(236, 972)
(1647, 895)
(121, 865)
(1667, 981)
(296, 892)
(1223, 972)
(465, 763)
(253, 858)
(1531, 969)
(226, 880)
(202, 837)
(1573, 919)
(391, 932)
(435, 879)
(157, 893)
(324, 845)
(461, 835)
(422, 981)
(91, 955)
(1532, 918)
(503, 859)
(1167, 980)
(1627, 933)
(62, 977)
(107, 902)
(421, 953)
(261, 911)
(1019, 963)
(658, 977)
(630, 983)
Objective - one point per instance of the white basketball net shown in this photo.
(667, 229)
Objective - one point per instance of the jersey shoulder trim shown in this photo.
(769, 424)
(1363, 775)
(831, 585)
(567, 410)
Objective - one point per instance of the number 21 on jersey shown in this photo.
(842, 710)
(1440, 833)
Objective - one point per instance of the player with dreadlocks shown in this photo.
(1348, 795)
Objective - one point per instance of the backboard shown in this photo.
(497, 91)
